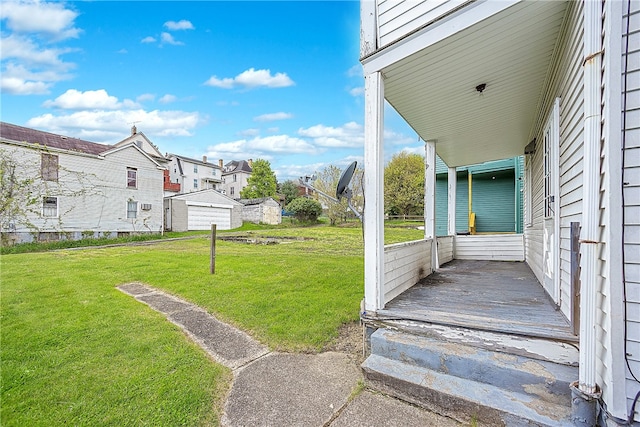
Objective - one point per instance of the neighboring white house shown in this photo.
(194, 175)
(79, 188)
(264, 210)
(557, 81)
(198, 210)
(235, 175)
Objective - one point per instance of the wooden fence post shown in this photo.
(212, 264)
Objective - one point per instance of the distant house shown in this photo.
(235, 176)
(199, 209)
(496, 197)
(264, 210)
(78, 188)
(194, 175)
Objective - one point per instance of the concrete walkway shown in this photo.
(283, 389)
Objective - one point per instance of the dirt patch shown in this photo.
(349, 341)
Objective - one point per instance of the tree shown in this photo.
(404, 184)
(261, 183)
(289, 189)
(327, 181)
(305, 209)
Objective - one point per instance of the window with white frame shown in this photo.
(195, 184)
(231, 191)
(132, 209)
(132, 178)
(551, 137)
(195, 168)
(49, 167)
(235, 177)
(50, 207)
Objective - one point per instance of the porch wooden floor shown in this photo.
(486, 295)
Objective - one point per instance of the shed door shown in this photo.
(201, 218)
(551, 140)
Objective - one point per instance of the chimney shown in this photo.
(134, 130)
(220, 163)
(204, 159)
(250, 163)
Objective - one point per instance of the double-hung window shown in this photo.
(50, 207)
(195, 183)
(132, 209)
(132, 178)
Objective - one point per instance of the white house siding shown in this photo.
(397, 18)
(96, 192)
(404, 265)
(445, 249)
(631, 193)
(494, 247)
(565, 82)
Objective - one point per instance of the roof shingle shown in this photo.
(33, 136)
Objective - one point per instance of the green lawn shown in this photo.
(75, 350)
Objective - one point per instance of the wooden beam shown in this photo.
(374, 192)
(452, 183)
(430, 200)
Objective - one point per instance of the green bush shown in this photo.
(304, 209)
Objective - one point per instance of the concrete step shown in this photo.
(463, 399)
(542, 380)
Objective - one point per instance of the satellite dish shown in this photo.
(344, 180)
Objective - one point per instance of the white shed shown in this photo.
(264, 210)
(198, 210)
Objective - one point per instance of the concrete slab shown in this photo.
(389, 412)
(134, 289)
(291, 390)
(228, 345)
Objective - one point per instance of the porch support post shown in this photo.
(591, 213)
(430, 200)
(373, 192)
(452, 182)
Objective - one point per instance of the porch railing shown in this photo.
(404, 265)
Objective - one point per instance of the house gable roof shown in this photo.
(144, 143)
(236, 166)
(190, 160)
(17, 133)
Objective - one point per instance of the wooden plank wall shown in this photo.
(445, 249)
(404, 265)
(496, 247)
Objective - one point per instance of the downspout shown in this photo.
(587, 392)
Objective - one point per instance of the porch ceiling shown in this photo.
(434, 90)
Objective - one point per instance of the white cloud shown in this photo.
(123, 51)
(73, 99)
(31, 61)
(262, 147)
(167, 38)
(167, 99)
(113, 126)
(274, 129)
(183, 24)
(50, 19)
(355, 71)
(357, 91)
(18, 86)
(273, 117)
(148, 39)
(145, 97)
(349, 135)
(249, 132)
(252, 78)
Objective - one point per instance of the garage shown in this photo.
(199, 209)
(201, 217)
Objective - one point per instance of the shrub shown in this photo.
(304, 209)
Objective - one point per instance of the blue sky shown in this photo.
(277, 80)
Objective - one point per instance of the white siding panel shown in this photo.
(404, 265)
(397, 18)
(445, 249)
(631, 192)
(498, 247)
